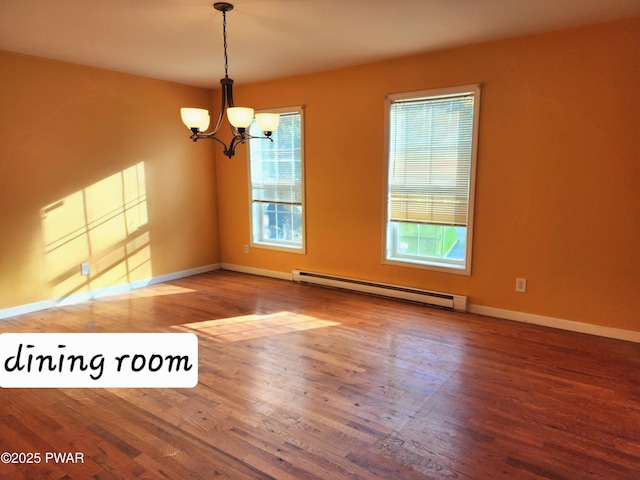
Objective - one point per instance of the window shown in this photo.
(432, 138)
(276, 185)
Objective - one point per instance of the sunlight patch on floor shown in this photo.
(158, 290)
(253, 326)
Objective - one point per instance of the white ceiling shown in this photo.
(181, 40)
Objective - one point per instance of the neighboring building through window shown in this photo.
(432, 139)
(277, 184)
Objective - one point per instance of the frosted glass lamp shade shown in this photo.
(204, 124)
(195, 118)
(268, 122)
(240, 117)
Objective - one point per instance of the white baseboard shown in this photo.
(570, 325)
(258, 271)
(559, 323)
(26, 308)
(579, 327)
(103, 292)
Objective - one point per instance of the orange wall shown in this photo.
(97, 166)
(558, 170)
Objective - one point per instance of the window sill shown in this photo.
(431, 265)
(280, 247)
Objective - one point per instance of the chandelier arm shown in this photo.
(265, 137)
(241, 138)
(229, 92)
(238, 139)
(227, 100)
(234, 131)
(224, 82)
(219, 141)
(230, 150)
(207, 136)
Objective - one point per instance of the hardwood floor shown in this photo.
(301, 382)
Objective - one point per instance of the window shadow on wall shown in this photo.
(105, 225)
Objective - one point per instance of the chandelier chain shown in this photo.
(224, 35)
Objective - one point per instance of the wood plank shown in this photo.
(303, 382)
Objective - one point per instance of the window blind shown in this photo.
(276, 171)
(430, 149)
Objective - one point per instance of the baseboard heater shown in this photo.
(438, 299)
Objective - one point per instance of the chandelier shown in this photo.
(197, 119)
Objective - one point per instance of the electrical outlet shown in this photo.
(521, 285)
(84, 268)
(246, 248)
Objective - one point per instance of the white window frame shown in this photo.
(389, 235)
(256, 224)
